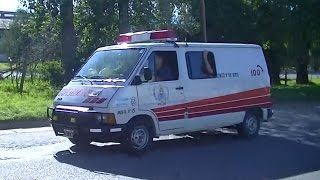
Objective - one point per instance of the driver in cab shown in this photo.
(163, 71)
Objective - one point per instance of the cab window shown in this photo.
(201, 64)
(164, 66)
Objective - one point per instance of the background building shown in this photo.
(5, 19)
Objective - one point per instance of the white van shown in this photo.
(149, 85)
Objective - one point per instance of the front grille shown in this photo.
(83, 119)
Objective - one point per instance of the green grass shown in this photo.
(4, 66)
(294, 92)
(31, 105)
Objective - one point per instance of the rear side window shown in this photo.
(201, 64)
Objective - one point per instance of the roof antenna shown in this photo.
(174, 43)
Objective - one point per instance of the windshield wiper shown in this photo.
(97, 77)
(81, 76)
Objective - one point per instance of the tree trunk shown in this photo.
(316, 65)
(274, 68)
(17, 76)
(31, 73)
(68, 39)
(204, 20)
(286, 77)
(302, 71)
(123, 6)
(275, 74)
(17, 82)
(23, 75)
(11, 70)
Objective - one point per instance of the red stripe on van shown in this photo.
(224, 104)
(234, 103)
(227, 110)
(170, 118)
(86, 100)
(101, 100)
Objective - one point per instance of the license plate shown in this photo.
(68, 133)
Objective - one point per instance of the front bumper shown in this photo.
(84, 124)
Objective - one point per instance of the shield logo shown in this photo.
(161, 94)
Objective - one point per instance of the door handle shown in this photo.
(179, 88)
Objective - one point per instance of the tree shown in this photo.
(96, 23)
(123, 7)
(16, 43)
(185, 23)
(60, 14)
(68, 39)
(142, 16)
(164, 13)
(287, 30)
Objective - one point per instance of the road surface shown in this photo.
(288, 147)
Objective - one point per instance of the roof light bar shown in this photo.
(145, 36)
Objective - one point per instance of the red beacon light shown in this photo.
(147, 36)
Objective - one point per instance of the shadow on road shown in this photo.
(211, 156)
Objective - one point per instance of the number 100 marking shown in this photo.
(255, 72)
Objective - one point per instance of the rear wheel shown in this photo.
(250, 126)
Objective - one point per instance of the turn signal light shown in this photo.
(109, 119)
(54, 118)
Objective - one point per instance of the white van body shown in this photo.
(179, 106)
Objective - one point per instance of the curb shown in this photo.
(23, 124)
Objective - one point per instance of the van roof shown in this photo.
(181, 44)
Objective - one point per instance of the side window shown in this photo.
(164, 66)
(201, 64)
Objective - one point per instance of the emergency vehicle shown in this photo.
(149, 85)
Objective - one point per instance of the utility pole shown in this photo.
(204, 21)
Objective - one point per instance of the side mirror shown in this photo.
(136, 81)
(147, 73)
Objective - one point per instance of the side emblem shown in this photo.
(133, 101)
(161, 94)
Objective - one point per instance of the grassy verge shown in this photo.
(31, 105)
(298, 93)
(4, 66)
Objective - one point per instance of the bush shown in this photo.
(31, 105)
(51, 71)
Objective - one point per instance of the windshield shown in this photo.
(110, 64)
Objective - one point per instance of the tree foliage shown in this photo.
(66, 30)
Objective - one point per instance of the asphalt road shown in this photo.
(288, 146)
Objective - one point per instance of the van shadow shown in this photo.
(209, 156)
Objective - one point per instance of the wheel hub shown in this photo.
(252, 124)
(139, 137)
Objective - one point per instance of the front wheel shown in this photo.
(250, 126)
(139, 137)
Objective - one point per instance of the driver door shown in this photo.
(162, 97)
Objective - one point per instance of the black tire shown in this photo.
(139, 137)
(250, 126)
(80, 141)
